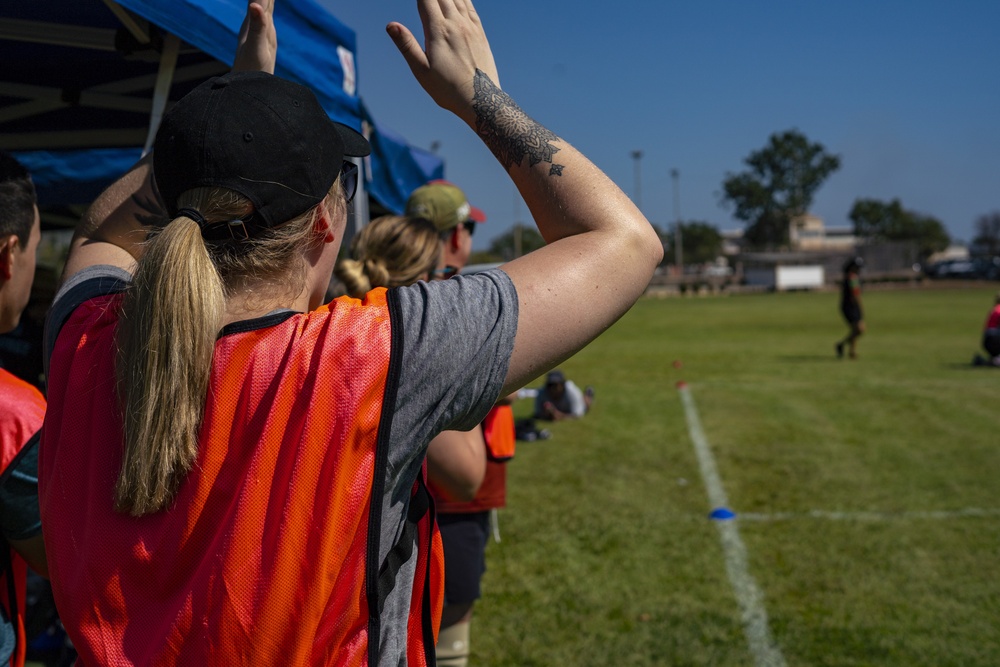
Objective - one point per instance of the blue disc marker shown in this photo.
(722, 514)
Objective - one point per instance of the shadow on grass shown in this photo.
(955, 366)
(794, 358)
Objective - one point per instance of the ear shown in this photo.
(7, 248)
(323, 227)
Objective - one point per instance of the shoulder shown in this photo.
(22, 410)
(84, 285)
(16, 393)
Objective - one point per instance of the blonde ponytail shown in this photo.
(390, 251)
(352, 273)
(170, 320)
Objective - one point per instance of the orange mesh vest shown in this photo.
(498, 432)
(22, 409)
(269, 554)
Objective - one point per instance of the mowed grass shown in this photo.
(608, 556)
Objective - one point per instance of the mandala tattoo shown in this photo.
(509, 132)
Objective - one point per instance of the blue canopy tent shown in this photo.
(84, 84)
(397, 168)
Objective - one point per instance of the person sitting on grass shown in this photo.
(991, 338)
(561, 399)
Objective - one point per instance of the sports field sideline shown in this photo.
(865, 493)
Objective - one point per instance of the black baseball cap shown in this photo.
(257, 134)
(555, 377)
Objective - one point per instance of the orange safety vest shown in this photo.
(22, 409)
(498, 432)
(269, 554)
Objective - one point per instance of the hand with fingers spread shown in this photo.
(258, 44)
(455, 49)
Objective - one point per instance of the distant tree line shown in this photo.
(778, 187)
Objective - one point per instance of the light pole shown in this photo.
(637, 197)
(517, 225)
(678, 247)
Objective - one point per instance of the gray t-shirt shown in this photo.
(457, 337)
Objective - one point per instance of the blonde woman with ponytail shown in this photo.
(390, 251)
(230, 470)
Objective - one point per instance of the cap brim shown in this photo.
(476, 214)
(355, 145)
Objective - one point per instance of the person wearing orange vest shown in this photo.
(22, 408)
(230, 470)
(465, 529)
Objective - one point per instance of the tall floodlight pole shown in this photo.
(517, 225)
(678, 248)
(637, 198)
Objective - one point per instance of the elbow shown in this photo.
(656, 251)
(652, 246)
(466, 493)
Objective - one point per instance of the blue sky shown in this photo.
(907, 93)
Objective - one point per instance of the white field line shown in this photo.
(751, 602)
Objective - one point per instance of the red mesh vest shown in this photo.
(269, 554)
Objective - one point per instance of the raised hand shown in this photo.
(258, 43)
(455, 48)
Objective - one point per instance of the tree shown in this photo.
(878, 221)
(779, 186)
(700, 242)
(503, 246)
(988, 233)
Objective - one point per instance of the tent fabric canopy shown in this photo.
(77, 90)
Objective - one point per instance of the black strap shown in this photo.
(373, 590)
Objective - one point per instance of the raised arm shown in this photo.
(113, 229)
(601, 251)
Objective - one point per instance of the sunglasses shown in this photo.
(349, 179)
(445, 273)
(470, 226)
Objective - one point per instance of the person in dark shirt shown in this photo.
(850, 307)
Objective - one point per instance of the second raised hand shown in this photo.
(257, 49)
(455, 48)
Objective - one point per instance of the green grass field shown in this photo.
(866, 492)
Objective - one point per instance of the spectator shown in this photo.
(463, 512)
(465, 529)
(22, 409)
(232, 463)
(390, 251)
(561, 399)
(445, 205)
(991, 338)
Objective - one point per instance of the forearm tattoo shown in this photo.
(509, 132)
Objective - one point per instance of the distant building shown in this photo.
(808, 232)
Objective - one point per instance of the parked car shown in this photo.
(980, 268)
(952, 268)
